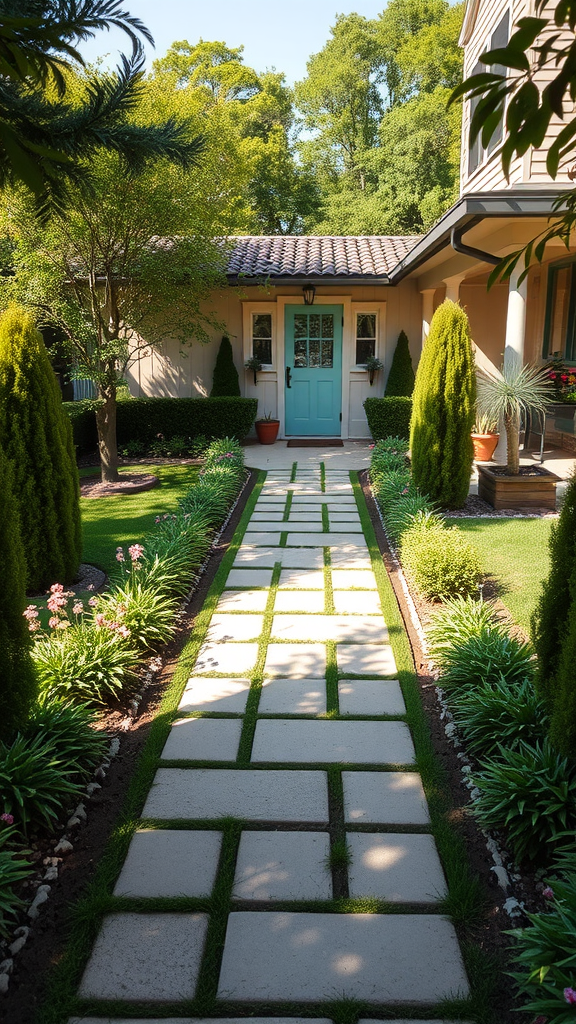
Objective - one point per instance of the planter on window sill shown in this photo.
(533, 487)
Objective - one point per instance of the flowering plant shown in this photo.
(563, 379)
(57, 604)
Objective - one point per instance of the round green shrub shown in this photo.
(443, 409)
(440, 562)
(225, 380)
(401, 377)
(37, 437)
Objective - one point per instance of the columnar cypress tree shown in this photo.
(554, 627)
(225, 380)
(17, 681)
(400, 381)
(37, 438)
(443, 409)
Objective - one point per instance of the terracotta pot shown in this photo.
(267, 430)
(484, 446)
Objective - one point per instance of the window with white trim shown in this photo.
(262, 337)
(366, 326)
(477, 153)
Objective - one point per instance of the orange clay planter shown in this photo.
(267, 430)
(484, 446)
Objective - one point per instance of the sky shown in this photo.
(274, 35)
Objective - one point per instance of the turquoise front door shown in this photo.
(313, 370)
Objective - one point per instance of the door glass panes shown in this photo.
(313, 340)
(262, 337)
(365, 337)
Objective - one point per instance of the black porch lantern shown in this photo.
(309, 293)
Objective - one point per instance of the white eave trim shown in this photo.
(470, 15)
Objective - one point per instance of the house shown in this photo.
(312, 309)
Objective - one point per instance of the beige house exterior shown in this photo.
(383, 285)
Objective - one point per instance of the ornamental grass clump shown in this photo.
(443, 409)
(88, 662)
(498, 714)
(457, 621)
(147, 614)
(440, 562)
(13, 870)
(390, 453)
(484, 659)
(530, 793)
(70, 729)
(36, 783)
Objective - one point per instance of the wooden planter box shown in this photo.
(517, 491)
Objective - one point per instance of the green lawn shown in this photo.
(108, 523)
(515, 552)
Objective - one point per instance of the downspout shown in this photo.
(469, 250)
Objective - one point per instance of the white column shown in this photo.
(515, 319)
(453, 286)
(427, 311)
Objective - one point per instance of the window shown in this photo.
(365, 337)
(560, 328)
(314, 339)
(498, 40)
(262, 337)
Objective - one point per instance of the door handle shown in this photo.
(288, 377)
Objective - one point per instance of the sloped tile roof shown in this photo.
(317, 255)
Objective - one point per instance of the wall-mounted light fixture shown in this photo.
(309, 293)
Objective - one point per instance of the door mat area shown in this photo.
(315, 442)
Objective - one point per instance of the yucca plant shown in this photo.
(518, 389)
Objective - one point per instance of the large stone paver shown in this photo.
(300, 660)
(203, 739)
(249, 578)
(283, 866)
(299, 601)
(365, 660)
(348, 579)
(224, 628)
(384, 798)
(170, 862)
(376, 958)
(302, 558)
(253, 557)
(264, 538)
(152, 957)
(224, 695)
(398, 868)
(242, 601)
(357, 602)
(293, 697)
(302, 579)
(329, 627)
(212, 793)
(370, 697)
(342, 558)
(332, 742)
(227, 658)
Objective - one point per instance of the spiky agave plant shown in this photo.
(519, 388)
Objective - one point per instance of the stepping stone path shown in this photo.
(288, 783)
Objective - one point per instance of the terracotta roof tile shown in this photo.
(317, 255)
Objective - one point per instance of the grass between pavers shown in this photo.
(515, 552)
(123, 519)
(61, 1000)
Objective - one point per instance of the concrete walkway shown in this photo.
(295, 749)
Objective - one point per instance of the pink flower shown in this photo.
(8, 818)
(33, 627)
(135, 551)
(56, 588)
(31, 612)
(123, 631)
(119, 555)
(63, 624)
(570, 996)
(77, 608)
(53, 622)
(548, 893)
(93, 601)
(56, 601)
(100, 619)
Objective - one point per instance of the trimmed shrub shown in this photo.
(531, 793)
(443, 409)
(388, 417)
(37, 438)
(401, 377)
(225, 380)
(554, 628)
(499, 714)
(17, 681)
(440, 562)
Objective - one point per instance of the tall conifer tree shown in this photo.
(400, 381)
(37, 438)
(443, 409)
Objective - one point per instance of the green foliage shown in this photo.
(459, 620)
(554, 626)
(70, 731)
(443, 409)
(13, 870)
(411, 510)
(440, 562)
(225, 380)
(36, 784)
(17, 681)
(37, 438)
(531, 793)
(388, 417)
(143, 610)
(85, 662)
(388, 454)
(401, 377)
(483, 658)
(498, 713)
(545, 953)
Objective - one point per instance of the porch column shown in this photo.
(453, 286)
(427, 311)
(515, 319)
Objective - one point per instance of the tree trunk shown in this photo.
(512, 425)
(107, 444)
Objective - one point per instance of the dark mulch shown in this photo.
(49, 933)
